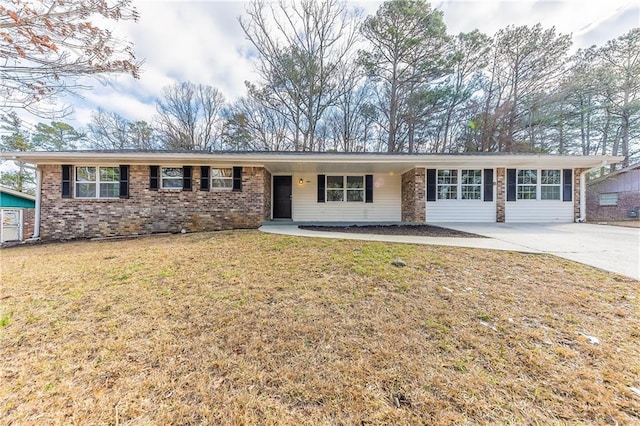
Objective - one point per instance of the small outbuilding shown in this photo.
(17, 215)
(616, 196)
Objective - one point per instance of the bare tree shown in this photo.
(108, 130)
(46, 44)
(302, 47)
(189, 116)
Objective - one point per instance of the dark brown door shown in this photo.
(282, 197)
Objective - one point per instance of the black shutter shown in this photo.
(368, 189)
(186, 178)
(488, 184)
(204, 178)
(567, 184)
(66, 181)
(124, 181)
(511, 184)
(237, 178)
(431, 185)
(154, 177)
(321, 183)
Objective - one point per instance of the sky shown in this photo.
(202, 42)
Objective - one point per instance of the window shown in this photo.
(345, 188)
(527, 184)
(171, 178)
(453, 184)
(550, 184)
(447, 184)
(471, 184)
(609, 199)
(547, 183)
(97, 182)
(221, 178)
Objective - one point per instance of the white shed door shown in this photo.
(11, 225)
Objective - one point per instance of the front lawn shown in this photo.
(251, 328)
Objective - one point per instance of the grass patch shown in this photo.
(252, 328)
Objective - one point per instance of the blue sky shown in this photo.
(202, 42)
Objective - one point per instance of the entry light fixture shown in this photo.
(300, 181)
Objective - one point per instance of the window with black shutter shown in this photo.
(124, 181)
(368, 188)
(154, 177)
(237, 179)
(186, 178)
(511, 184)
(567, 185)
(321, 186)
(431, 184)
(66, 181)
(204, 178)
(488, 184)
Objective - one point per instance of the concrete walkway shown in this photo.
(611, 248)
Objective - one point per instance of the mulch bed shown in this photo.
(418, 230)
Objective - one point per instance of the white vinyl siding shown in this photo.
(538, 211)
(461, 211)
(539, 198)
(460, 198)
(386, 206)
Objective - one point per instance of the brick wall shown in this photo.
(414, 195)
(146, 212)
(627, 200)
(576, 193)
(501, 193)
(28, 223)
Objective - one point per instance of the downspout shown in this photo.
(36, 220)
(583, 197)
(583, 193)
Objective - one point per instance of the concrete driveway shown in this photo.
(612, 248)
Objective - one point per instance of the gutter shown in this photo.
(583, 197)
(36, 221)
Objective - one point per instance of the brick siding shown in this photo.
(627, 200)
(147, 212)
(414, 197)
(501, 194)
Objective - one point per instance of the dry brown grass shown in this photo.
(250, 328)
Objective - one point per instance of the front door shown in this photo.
(282, 197)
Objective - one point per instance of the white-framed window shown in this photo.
(447, 184)
(550, 184)
(221, 178)
(97, 182)
(171, 177)
(609, 199)
(471, 184)
(527, 184)
(535, 184)
(345, 188)
(454, 184)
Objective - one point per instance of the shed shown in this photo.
(17, 214)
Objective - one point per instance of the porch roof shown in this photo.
(331, 162)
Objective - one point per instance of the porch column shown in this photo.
(500, 194)
(414, 200)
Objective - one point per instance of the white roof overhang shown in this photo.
(286, 162)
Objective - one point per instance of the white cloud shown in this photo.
(202, 42)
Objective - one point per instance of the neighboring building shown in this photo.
(615, 196)
(17, 214)
(95, 194)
